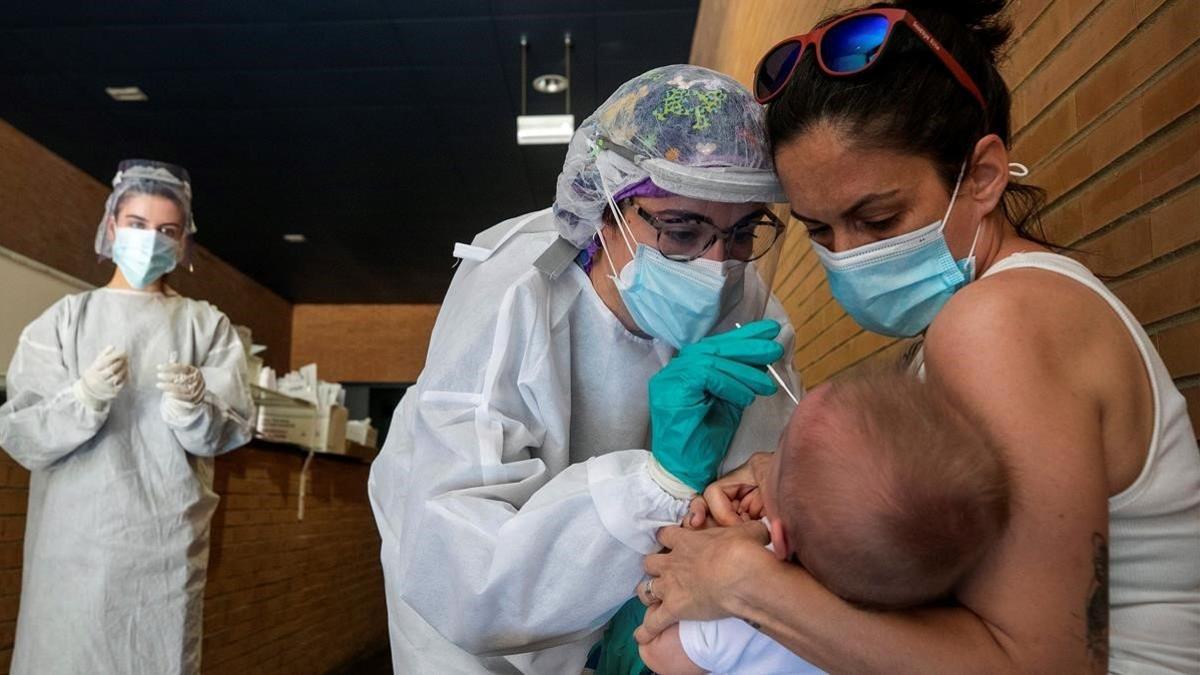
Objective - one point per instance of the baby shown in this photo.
(883, 491)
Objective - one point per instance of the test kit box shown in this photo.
(287, 424)
(362, 433)
(331, 430)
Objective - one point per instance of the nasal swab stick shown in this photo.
(775, 374)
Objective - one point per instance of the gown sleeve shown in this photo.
(224, 420)
(497, 541)
(43, 421)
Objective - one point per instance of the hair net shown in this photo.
(691, 131)
(147, 177)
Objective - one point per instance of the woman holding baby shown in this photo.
(890, 128)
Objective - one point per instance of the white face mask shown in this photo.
(144, 255)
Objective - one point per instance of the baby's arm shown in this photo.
(723, 646)
(665, 655)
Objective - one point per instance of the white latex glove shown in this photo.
(183, 391)
(103, 380)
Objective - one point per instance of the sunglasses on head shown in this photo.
(847, 46)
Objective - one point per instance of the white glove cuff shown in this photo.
(667, 481)
(87, 398)
(179, 413)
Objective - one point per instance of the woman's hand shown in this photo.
(697, 518)
(697, 578)
(734, 494)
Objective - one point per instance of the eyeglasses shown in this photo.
(688, 238)
(848, 46)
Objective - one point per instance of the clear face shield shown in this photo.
(153, 179)
(767, 266)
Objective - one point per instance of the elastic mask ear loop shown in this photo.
(978, 228)
(971, 254)
(608, 257)
(625, 230)
(1017, 170)
(621, 224)
(954, 194)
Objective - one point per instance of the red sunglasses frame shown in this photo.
(893, 16)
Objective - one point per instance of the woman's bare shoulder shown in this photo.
(1030, 315)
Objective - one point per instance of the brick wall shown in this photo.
(1104, 115)
(283, 596)
(14, 496)
(363, 343)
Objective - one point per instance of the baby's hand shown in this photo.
(707, 523)
(697, 517)
(750, 506)
(700, 518)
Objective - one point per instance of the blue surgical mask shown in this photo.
(143, 255)
(676, 302)
(896, 286)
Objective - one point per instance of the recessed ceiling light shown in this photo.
(126, 94)
(295, 238)
(550, 84)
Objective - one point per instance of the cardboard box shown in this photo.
(331, 430)
(254, 366)
(362, 433)
(287, 423)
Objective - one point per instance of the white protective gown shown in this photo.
(116, 539)
(512, 494)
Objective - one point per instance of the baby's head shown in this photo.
(884, 491)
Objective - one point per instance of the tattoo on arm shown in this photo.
(1097, 603)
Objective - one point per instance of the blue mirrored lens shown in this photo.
(775, 69)
(854, 43)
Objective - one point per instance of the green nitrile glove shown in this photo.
(618, 650)
(696, 400)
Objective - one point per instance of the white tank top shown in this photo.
(1154, 524)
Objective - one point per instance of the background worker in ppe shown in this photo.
(585, 379)
(120, 397)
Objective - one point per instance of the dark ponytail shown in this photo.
(908, 102)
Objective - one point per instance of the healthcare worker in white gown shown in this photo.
(522, 483)
(118, 400)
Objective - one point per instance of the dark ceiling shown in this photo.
(383, 130)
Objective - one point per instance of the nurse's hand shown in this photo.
(696, 400)
(183, 390)
(694, 578)
(104, 379)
